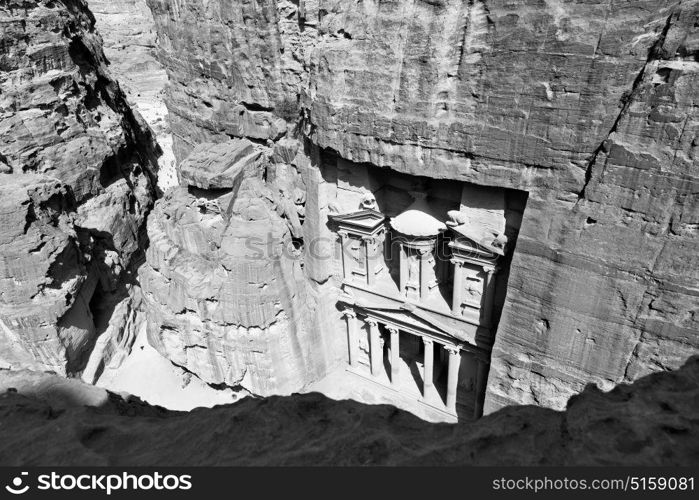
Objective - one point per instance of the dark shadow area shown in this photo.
(443, 255)
(415, 372)
(386, 355)
(143, 149)
(515, 205)
(440, 379)
(102, 292)
(650, 422)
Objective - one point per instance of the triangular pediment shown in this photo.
(413, 317)
(470, 237)
(364, 218)
(410, 316)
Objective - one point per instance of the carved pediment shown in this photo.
(366, 219)
(415, 319)
(410, 316)
(468, 238)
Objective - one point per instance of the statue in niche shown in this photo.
(358, 254)
(500, 241)
(368, 202)
(333, 208)
(474, 288)
(300, 202)
(413, 270)
(468, 384)
(363, 345)
(456, 218)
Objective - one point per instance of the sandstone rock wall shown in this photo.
(604, 287)
(589, 106)
(225, 292)
(130, 41)
(272, 337)
(236, 68)
(77, 172)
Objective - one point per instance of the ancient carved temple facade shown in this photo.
(417, 295)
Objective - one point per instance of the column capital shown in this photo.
(371, 322)
(343, 233)
(424, 253)
(349, 313)
(427, 341)
(392, 329)
(490, 269)
(457, 262)
(453, 350)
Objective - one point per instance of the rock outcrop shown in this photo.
(585, 105)
(649, 423)
(604, 287)
(224, 288)
(229, 77)
(130, 41)
(77, 170)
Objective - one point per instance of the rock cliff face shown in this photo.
(224, 288)
(231, 64)
(589, 106)
(77, 168)
(128, 31)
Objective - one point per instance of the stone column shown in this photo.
(489, 296)
(428, 362)
(369, 259)
(403, 277)
(375, 350)
(395, 354)
(424, 275)
(458, 287)
(453, 377)
(344, 239)
(352, 340)
(481, 380)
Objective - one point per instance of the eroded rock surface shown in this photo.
(589, 106)
(130, 41)
(651, 422)
(76, 183)
(219, 166)
(225, 293)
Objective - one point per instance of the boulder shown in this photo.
(218, 166)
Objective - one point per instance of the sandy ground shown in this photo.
(151, 377)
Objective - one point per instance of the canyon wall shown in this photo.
(130, 41)
(225, 282)
(77, 174)
(589, 106)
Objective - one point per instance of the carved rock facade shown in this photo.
(585, 106)
(130, 42)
